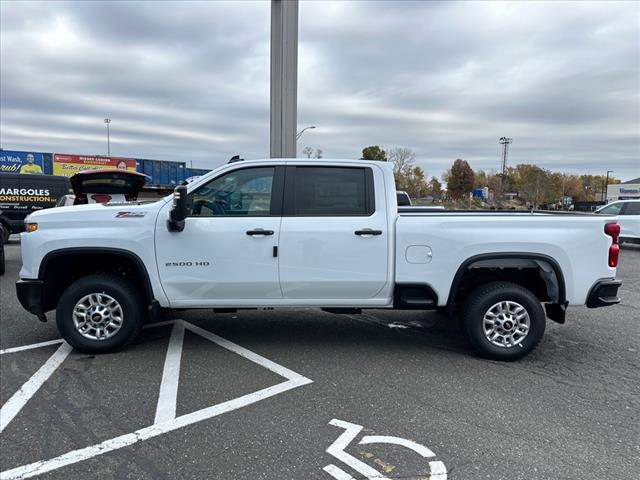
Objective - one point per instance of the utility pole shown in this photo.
(606, 186)
(284, 78)
(504, 141)
(107, 121)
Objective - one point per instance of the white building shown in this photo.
(624, 190)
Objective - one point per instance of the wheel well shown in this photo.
(539, 274)
(60, 269)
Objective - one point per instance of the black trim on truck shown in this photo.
(604, 293)
(30, 296)
(36, 298)
(555, 310)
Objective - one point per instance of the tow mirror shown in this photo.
(178, 211)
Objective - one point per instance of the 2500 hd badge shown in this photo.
(186, 264)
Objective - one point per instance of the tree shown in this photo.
(374, 152)
(402, 159)
(435, 188)
(312, 152)
(459, 179)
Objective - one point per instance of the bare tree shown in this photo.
(403, 160)
(308, 151)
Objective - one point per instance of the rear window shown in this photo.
(331, 191)
(633, 208)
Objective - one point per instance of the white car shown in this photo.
(324, 233)
(628, 212)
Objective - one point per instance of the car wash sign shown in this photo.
(20, 162)
(67, 165)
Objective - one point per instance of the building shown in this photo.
(624, 191)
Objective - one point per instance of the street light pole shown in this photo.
(299, 134)
(107, 121)
(606, 186)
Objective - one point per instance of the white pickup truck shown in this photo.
(312, 233)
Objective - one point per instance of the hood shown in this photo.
(104, 186)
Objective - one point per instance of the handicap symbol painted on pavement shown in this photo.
(337, 449)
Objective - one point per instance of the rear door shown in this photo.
(334, 238)
(629, 220)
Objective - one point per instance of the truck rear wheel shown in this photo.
(503, 321)
(100, 313)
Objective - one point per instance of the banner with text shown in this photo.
(67, 165)
(20, 162)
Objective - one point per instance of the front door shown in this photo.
(226, 251)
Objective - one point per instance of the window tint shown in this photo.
(330, 191)
(245, 192)
(633, 208)
(613, 209)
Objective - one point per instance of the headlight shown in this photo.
(31, 227)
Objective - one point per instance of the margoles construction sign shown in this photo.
(26, 198)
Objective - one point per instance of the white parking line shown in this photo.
(19, 399)
(29, 347)
(337, 473)
(294, 380)
(166, 409)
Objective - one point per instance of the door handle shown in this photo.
(368, 231)
(259, 231)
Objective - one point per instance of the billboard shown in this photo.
(67, 165)
(21, 162)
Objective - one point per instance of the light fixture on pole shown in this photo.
(299, 134)
(107, 121)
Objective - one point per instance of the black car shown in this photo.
(1, 252)
(22, 194)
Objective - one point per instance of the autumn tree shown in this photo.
(374, 152)
(460, 179)
(435, 188)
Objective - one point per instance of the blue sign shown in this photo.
(21, 162)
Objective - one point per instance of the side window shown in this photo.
(245, 192)
(633, 208)
(613, 209)
(331, 191)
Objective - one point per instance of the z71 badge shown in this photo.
(130, 214)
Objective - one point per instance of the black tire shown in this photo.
(6, 233)
(2, 259)
(122, 291)
(478, 304)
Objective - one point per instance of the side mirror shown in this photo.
(178, 212)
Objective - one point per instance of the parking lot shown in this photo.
(303, 394)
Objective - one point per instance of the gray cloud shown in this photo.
(190, 80)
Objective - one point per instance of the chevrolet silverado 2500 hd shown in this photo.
(321, 233)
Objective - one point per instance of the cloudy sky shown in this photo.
(190, 81)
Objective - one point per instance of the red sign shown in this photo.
(67, 165)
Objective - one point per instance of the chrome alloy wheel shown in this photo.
(97, 316)
(506, 324)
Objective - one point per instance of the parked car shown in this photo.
(1, 253)
(22, 194)
(106, 186)
(628, 212)
(66, 200)
(321, 233)
(404, 200)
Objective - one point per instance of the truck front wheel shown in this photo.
(503, 321)
(100, 313)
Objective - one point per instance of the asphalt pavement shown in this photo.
(303, 394)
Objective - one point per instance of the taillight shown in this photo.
(613, 230)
